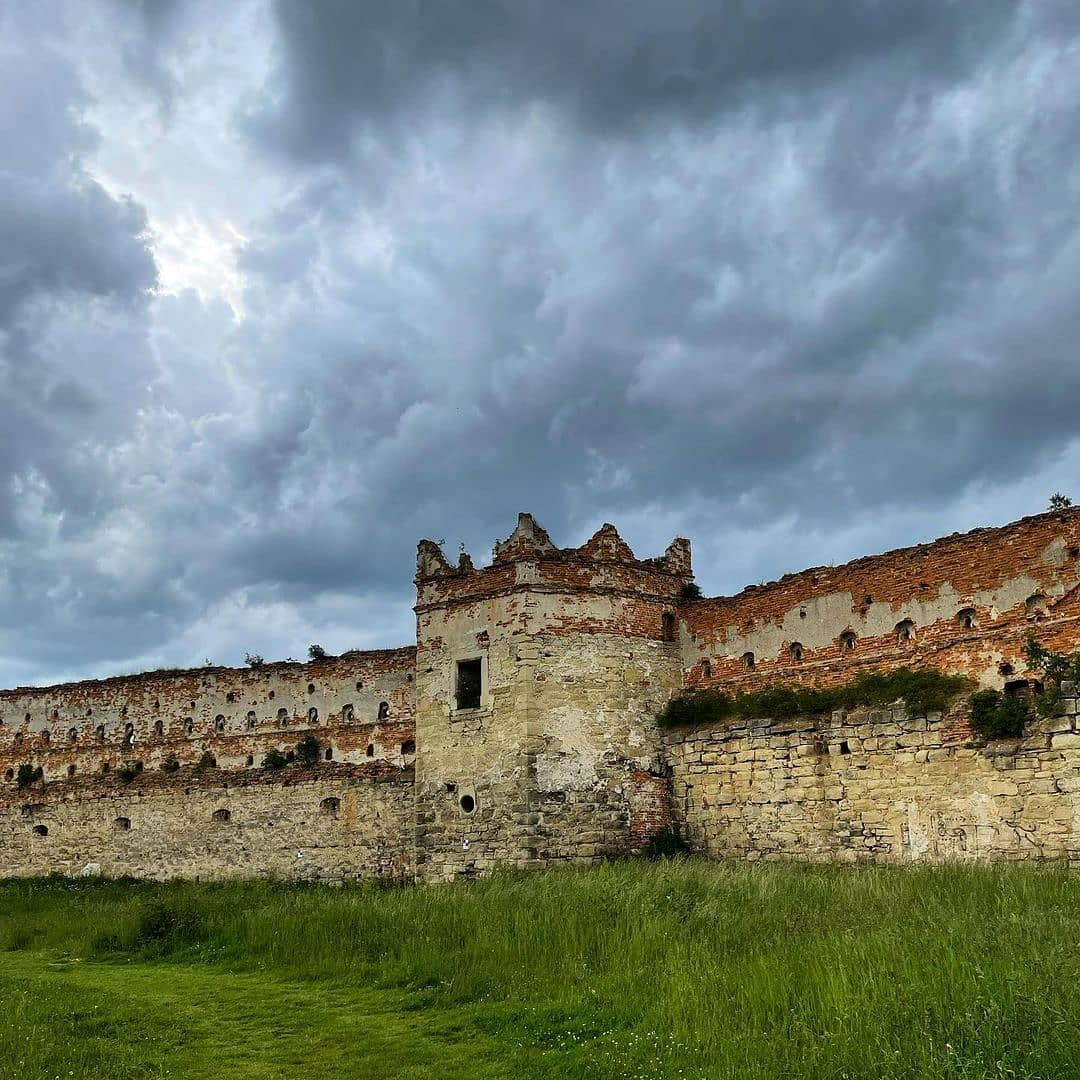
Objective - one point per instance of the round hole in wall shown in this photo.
(41, 830)
(468, 803)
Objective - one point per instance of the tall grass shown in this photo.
(718, 969)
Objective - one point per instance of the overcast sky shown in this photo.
(286, 287)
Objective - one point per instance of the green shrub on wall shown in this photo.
(995, 715)
(274, 759)
(923, 691)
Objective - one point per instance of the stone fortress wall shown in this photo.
(558, 756)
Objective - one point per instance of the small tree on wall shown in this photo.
(308, 751)
(274, 759)
(317, 653)
(28, 774)
(1059, 501)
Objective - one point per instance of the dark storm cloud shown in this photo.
(350, 66)
(799, 280)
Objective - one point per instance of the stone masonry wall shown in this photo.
(330, 823)
(964, 603)
(878, 785)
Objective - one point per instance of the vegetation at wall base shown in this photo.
(674, 969)
(274, 759)
(923, 691)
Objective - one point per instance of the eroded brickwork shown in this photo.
(554, 754)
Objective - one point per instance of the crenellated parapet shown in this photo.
(528, 561)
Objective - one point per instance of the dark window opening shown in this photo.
(41, 830)
(667, 627)
(329, 755)
(706, 668)
(18, 738)
(250, 761)
(71, 770)
(451, 788)
(384, 710)
(330, 805)
(347, 713)
(99, 731)
(283, 717)
(221, 815)
(469, 684)
(796, 651)
(467, 803)
(408, 746)
(230, 697)
(129, 736)
(271, 694)
(748, 661)
(45, 738)
(9, 775)
(847, 640)
(1035, 604)
(311, 688)
(905, 631)
(189, 725)
(104, 766)
(219, 722)
(359, 684)
(370, 750)
(844, 747)
(159, 727)
(313, 715)
(252, 719)
(122, 824)
(966, 618)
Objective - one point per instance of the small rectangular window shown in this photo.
(468, 684)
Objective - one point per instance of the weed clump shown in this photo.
(995, 715)
(923, 691)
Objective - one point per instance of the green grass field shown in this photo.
(683, 969)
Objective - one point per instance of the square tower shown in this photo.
(538, 679)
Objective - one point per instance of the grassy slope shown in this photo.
(684, 969)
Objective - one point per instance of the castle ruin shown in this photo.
(521, 727)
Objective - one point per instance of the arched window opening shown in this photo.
(847, 640)
(122, 824)
(9, 775)
(18, 740)
(667, 626)
(41, 830)
(129, 736)
(311, 688)
(290, 755)
(73, 735)
(330, 806)
(283, 717)
(467, 803)
(796, 651)
(1035, 604)
(748, 661)
(966, 618)
(71, 770)
(221, 815)
(230, 697)
(359, 684)
(905, 631)
(46, 738)
(271, 694)
(99, 731)
(219, 723)
(250, 760)
(252, 719)
(313, 715)
(104, 766)
(384, 710)
(329, 754)
(56, 714)
(370, 752)
(706, 668)
(408, 746)
(189, 725)
(159, 727)
(347, 714)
